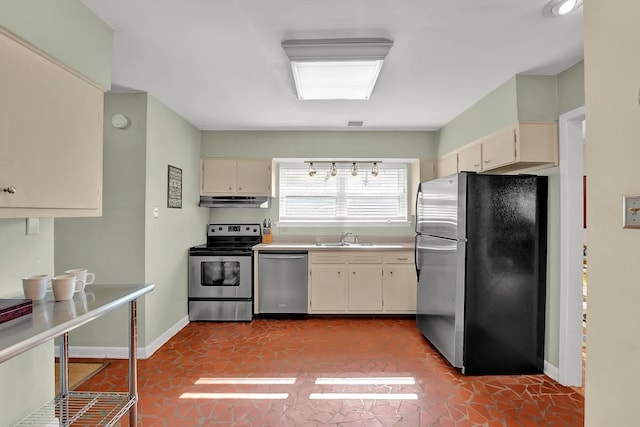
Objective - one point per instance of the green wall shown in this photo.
(495, 111)
(67, 30)
(128, 245)
(571, 88)
(171, 140)
(519, 98)
(537, 98)
(315, 144)
(112, 246)
(29, 375)
(310, 144)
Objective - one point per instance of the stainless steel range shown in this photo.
(221, 273)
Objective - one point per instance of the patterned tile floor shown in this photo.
(189, 381)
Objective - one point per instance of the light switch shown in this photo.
(33, 226)
(156, 212)
(631, 211)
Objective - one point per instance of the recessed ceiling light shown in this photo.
(326, 69)
(561, 7)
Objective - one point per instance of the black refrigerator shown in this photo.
(480, 251)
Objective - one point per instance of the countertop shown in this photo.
(50, 319)
(311, 246)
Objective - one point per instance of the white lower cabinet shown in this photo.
(399, 288)
(327, 291)
(362, 282)
(365, 282)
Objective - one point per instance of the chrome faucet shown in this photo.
(343, 237)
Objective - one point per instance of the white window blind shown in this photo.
(343, 198)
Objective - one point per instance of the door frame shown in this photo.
(571, 153)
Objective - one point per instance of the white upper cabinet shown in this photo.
(470, 159)
(521, 146)
(447, 165)
(254, 177)
(244, 177)
(51, 129)
(427, 169)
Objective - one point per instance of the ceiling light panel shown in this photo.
(328, 69)
(336, 79)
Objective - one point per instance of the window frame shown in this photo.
(323, 166)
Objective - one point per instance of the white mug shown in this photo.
(64, 286)
(35, 287)
(83, 276)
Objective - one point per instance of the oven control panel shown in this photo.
(234, 230)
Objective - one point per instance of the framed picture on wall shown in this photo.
(174, 188)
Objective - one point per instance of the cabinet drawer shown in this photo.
(328, 258)
(365, 258)
(398, 257)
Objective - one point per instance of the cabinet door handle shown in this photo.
(10, 189)
(488, 161)
(476, 164)
(405, 259)
(230, 188)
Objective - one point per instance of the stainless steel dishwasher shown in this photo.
(282, 282)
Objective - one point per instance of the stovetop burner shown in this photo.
(229, 239)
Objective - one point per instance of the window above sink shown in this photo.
(324, 198)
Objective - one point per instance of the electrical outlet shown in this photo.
(156, 212)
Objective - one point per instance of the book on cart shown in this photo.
(13, 308)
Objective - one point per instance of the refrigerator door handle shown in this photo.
(416, 211)
(415, 256)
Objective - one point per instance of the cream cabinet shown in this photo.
(51, 126)
(427, 169)
(364, 284)
(327, 282)
(523, 145)
(361, 282)
(246, 177)
(470, 159)
(447, 165)
(399, 283)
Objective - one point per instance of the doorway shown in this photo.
(572, 235)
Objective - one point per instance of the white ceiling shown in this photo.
(219, 63)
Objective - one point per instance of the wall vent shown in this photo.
(355, 124)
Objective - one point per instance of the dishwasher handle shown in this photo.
(283, 256)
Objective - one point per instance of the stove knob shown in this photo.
(247, 228)
(255, 230)
(219, 228)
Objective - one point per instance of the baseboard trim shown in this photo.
(123, 352)
(162, 339)
(551, 371)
